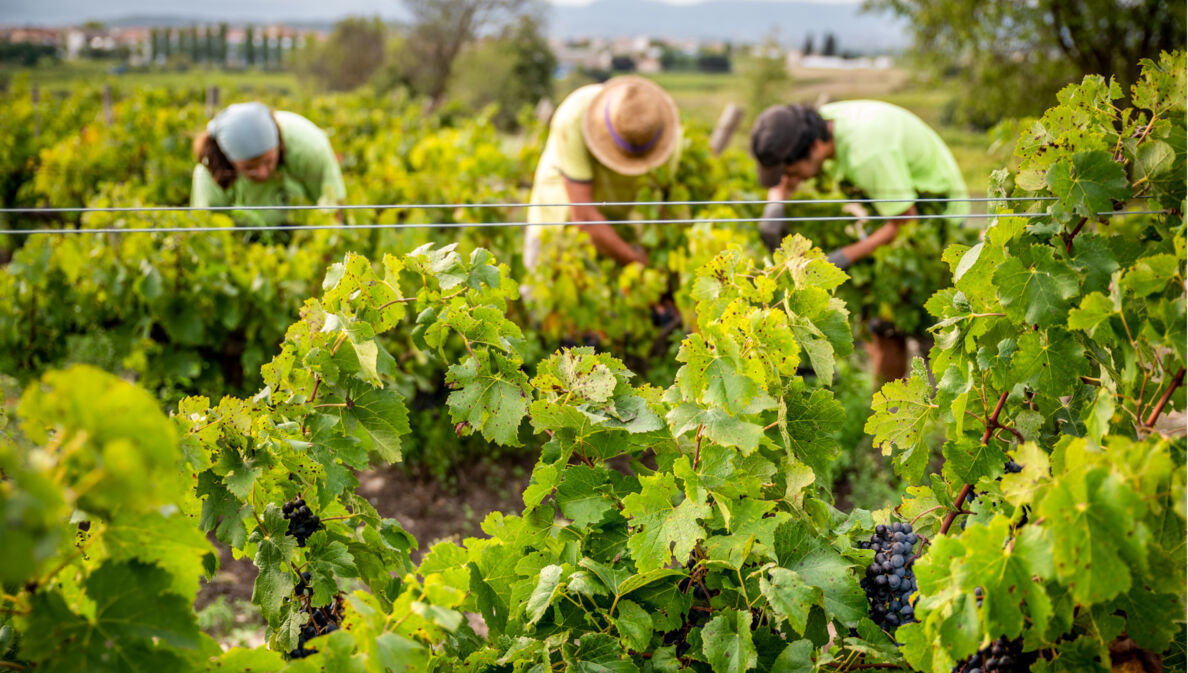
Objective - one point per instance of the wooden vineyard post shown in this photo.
(108, 113)
(727, 124)
(212, 100)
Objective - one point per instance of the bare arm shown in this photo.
(882, 236)
(602, 234)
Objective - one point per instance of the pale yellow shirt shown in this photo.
(566, 156)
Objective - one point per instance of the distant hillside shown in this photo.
(746, 21)
(736, 20)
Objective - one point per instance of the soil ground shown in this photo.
(430, 509)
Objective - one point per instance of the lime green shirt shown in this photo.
(309, 174)
(890, 153)
(565, 155)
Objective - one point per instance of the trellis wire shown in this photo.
(452, 206)
(464, 225)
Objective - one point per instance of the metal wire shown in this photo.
(464, 225)
(452, 206)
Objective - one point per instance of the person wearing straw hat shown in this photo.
(880, 150)
(883, 152)
(603, 139)
(251, 155)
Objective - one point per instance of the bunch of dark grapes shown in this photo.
(321, 620)
(1000, 656)
(889, 581)
(699, 611)
(302, 522)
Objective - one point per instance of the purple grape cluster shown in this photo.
(890, 582)
(1000, 656)
(322, 621)
(302, 522)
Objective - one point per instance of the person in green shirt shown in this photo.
(877, 149)
(250, 155)
(603, 139)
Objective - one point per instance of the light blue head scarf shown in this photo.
(244, 131)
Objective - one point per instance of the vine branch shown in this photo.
(1177, 381)
(958, 504)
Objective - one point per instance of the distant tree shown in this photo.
(439, 31)
(1017, 54)
(514, 71)
(830, 48)
(807, 49)
(221, 54)
(713, 62)
(209, 47)
(622, 63)
(766, 80)
(167, 42)
(249, 45)
(195, 45)
(349, 57)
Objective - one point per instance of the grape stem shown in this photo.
(1176, 382)
(991, 425)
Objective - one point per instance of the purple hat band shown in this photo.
(628, 147)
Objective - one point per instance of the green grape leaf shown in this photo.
(1050, 362)
(1089, 183)
(170, 542)
(274, 550)
(1151, 274)
(634, 625)
(812, 419)
(1003, 568)
(221, 510)
(548, 587)
(790, 596)
(582, 497)
(900, 412)
(599, 653)
(1095, 309)
(713, 375)
(970, 460)
(1094, 521)
(493, 396)
(842, 598)
(384, 417)
(717, 425)
(727, 643)
(660, 529)
(135, 622)
(797, 657)
(1162, 85)
(1037, 294)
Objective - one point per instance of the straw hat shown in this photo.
(632, 125)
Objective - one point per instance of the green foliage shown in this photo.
(1060, 346)
(681, 526)
(1017, 55)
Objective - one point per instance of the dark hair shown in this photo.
(208, 153)
(785, 134)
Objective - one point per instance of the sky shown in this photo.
(59, 12)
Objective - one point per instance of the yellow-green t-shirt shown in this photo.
(566, 156)
(309, 174)
(887, 152)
